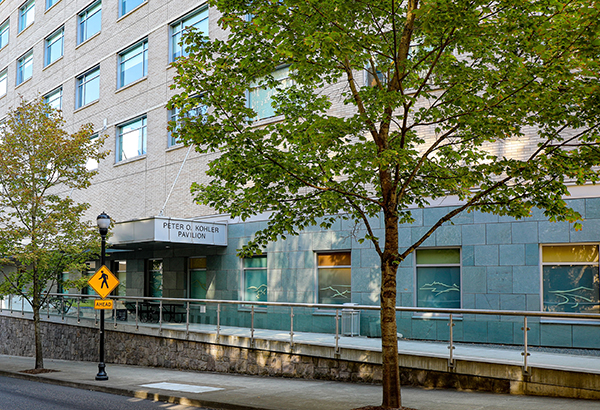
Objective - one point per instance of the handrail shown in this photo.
(334, 309)
(323, 306)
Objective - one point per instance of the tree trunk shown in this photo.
(39, 357)
(389, 332)
(39, 354)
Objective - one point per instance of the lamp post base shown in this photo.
(101, 372)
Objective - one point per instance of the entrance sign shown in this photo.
(170, 230)
(103, 304)
(103, 282)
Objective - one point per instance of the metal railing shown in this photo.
(153, 311)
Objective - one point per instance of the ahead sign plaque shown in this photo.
(103, 282)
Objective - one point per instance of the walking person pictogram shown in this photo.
(104, 277)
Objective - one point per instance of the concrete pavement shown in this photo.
(240, 392)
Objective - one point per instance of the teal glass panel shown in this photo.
(156, 278)
(335, 285)
(437, 256)
(255, 285)
(571, 288)
(438, 287)
(198, 285)
(256, 262)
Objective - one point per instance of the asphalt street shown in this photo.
(17, 394)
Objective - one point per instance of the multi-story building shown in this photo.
(107, 62)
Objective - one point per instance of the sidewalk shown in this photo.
(232, 391)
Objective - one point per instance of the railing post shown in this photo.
(187, 319)
(337, 331)
(137, 307)
(48, 307)
(78, 309)
(22, 306)
(451, 347)
(218, 321)
(525, 353)
(115, 313)
(252, 328)
(10, 303)
(62, 308)
(291, 328)
(160, 317)
(95, 317)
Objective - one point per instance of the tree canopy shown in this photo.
(391, 104)
(42, 233)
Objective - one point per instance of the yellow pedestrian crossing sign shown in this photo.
(103, 282)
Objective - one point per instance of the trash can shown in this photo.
(350, 320)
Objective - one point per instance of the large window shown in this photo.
(334, 277)
(90, 21)
(3, 82)
(174, 116)
(133, 63)
(54, 46)
(155, 278)
(438, 278)
(4, 33)
(254, 280)
(197, 20)
(54, 98)
(26, 15)
(25, 67)
(131, 139)
(88, 87)
(198, 282)
(570, 278)
(127, 5)
(120, 270)
(260, 98)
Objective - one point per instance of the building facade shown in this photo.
(107, 62)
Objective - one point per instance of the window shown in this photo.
(127, 5)
(54, 98)
(88, 87)
(26, 14)
(155, 278)
(198, 283)
(92, 163)
(254, 279)
(3, 82)
(198, 20)
(260, 98)
(438, 278)
(334, 278)
(131, 139)
(90, 21)
(50, 3)
(25, 67)
(54, 46)
(133, 63)
(4, 33)
(90, 270)
(570, 279)
(120, 270)
(173, 116)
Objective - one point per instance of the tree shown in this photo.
(41, 232)
(391, 104)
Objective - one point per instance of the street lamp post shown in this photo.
(103, 222)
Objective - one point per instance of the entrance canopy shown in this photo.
(161, 229)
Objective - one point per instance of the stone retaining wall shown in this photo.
(69, 342)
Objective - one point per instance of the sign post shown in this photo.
(103, 282)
